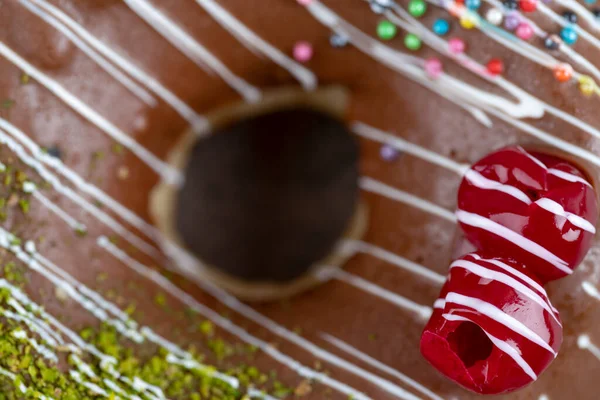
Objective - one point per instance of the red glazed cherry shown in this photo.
(532, 207)
(493, 329)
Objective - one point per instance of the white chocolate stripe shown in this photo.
(591, 290)
(516, 273)
(584, 342)
(396, 260)
(532, 158)
(110, 69)
(255, 42)
(69, 220)
(507, 280)
(503, 346)
(568, 176)
(524, 243)
(496, 314)
(420, 310)
(198, 121)
(481, 182)
(345, 347)
(239, 332)
(558, 210)
(380, 188)
(168, 173)
(66, 191)
(191, 47)
(369, 132)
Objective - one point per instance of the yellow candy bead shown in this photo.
(467, 21)
(587, 86)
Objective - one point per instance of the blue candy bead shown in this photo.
(568, 35)
(441, 27)
(473, 4)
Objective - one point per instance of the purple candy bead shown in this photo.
(511, 22)
(388, 152)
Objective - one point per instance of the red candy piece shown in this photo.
(493, 329)
(531, 207)
(528, 5)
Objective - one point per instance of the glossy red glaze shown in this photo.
(510, 188)
(491, 305)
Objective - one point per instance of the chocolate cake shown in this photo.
(236, 199)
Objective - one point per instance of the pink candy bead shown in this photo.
(303, 51)
(457, 46)
(433, 68)
(524, 31)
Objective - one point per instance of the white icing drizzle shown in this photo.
(255, 43)
(518, 274)
(558, 210)
(502, 345)
(72, 222)
(345, 347)
(423, 312)
(191, 48)
(168, 173)
(439, 303)
(237, 331)
(41, 349)
(396, 260)
(496, 314)
(259, 394)
(584, 342)
(110, 69)
(93, 210)
(524, 243)
(380, 188)
(543, 397)
(25, 316)
(507, 280)
(591, 290)
(481, 182)
(568, 176)
(377, 135)
(186, 112)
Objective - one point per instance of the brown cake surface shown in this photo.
(69, 89)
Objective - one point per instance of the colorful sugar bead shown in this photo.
(467, 21)
(495, 66)
(386, 30)
(473, 4)
(494, 16)
(389, 152)
(412, 42)
(510, 4)
(433, 68)
(528, 5)
(563, 72)
(457, 46)
(570, 16)
(511, 22)
(441, 27)
(552, 42)
(569, 35)
(303, 51)
(587, 86)
(524, 31)
(338, 41)
(417, 8)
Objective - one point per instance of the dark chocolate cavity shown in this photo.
(269, 196)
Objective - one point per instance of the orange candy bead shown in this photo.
(563, 72)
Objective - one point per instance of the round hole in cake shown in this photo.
(470, 343)
(267, 197)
